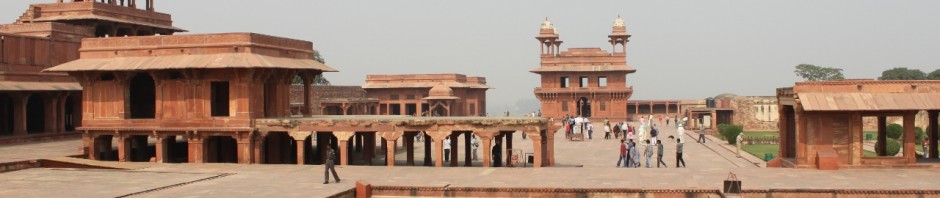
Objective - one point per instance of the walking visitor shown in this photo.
(679, 153)
(659, 155)
(328, 166)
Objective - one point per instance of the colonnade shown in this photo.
(275, 147)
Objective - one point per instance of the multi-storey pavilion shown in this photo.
(584, 81)
(197, 95)
(46, 35)
(428, 94)
(821, 123)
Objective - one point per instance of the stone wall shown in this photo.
(755, 113)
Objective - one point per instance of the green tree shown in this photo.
(903, 73)
(934, 75)
(818, 73)
(318, 79)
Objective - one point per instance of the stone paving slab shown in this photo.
(49, 182)
(596, 157)
(21, 152)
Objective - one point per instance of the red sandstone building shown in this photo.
(821, 123)
(584, 81)
(41, 105)
(428, 94)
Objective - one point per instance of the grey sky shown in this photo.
(681, 49)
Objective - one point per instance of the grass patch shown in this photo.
(754, 134)
(758, 150)
(869, 154)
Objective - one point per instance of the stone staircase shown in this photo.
(28, 15)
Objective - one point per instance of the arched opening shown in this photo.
(584, 107)
(6, 115)
(69, 113)
(35, 114)
(139, 148)
(332, 110)
(141, 97)
(279, 148)
(177, 149)
(104, 151)
(221, 149)
(103, 30)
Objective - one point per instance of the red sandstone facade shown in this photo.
(584, 81)
(821, 123)
(428, 94)
(47, 35)
(197, 95)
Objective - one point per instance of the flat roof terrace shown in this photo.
(436, 130)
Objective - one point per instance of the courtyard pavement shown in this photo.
(580, 164)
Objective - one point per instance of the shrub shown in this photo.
(722, 127)
(895, 131)
(919, 135)
(731, 133)
(893, 147)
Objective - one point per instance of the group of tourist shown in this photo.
(630, 151)
(578, 125)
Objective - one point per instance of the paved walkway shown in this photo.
(708, 164)
(21, 152)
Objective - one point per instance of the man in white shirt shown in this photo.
(447, 149)
(475, 145)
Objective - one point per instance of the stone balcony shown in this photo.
(540, 90)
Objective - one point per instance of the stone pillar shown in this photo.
(537, 150)
(427, 150)
(308, 104)
(933, 133)
(243, 147)
(508, 155)
(196, 148)
(453, 149)
(49, 107)
(161, 148)
(550, 142)
(438, 152)
(410, 149)
(390, 154)
(909, 138)
(487, 151)
(60, 117)
(468, 150)
(299, 137)
(881, 147)
(19, 113)
(93, 148)
(343, 138)
(124, 147)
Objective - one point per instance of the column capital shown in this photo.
(391, 136)
(486, 135)
(343, 135)
(439, 135)
(299, 135)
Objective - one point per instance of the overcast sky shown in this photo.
(681, 49)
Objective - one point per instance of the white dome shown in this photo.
(618, 22)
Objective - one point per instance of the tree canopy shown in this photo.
(318, 79)
(902, 73)
(934, 75)
(818, 73)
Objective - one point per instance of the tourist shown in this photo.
(447, 149)
(679, 153)
(607, 131)
(475, 145)
(497, 154)
(648, 153)
(623, 154)
(328, 166)
(616, 131)
(659, 155)
(630, 133)
(653, 133)
(924, 146)
(635, 154)
(667, 121)
(606, 121)
(701, 136)
(630, 158)
(675, 120)
(738, 143)
(590, 129)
